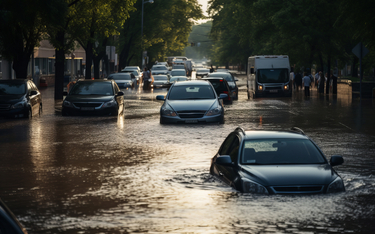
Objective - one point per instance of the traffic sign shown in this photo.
(360, 50)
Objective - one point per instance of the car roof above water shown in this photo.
(262, 134)
(195, 82)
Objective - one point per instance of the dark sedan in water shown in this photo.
(9, 224)
(19, 98)
(191, 102)
(91, 97)
(230, 79)
(275, 162)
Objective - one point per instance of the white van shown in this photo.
(268, 75)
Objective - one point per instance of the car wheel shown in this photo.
(28, 114)
(222, 121)
(40, 110)
(64, 113)
(162, 121)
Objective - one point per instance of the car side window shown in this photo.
(224, 150)
(233, 150)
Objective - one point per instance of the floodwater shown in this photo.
(132, 175)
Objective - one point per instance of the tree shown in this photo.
(98, 19)
(23, 25)
(167, 25)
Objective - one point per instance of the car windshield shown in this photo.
(159, 68)
(160, 77)
(173, 79)
(12, 89)
(191, 92)
(273, 75)
(178, 67)
(280, 151)
(120, 77)
(92, 88)
(226, 76)
(135, 73)
(178, 73)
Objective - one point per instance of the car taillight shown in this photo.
(226, 92)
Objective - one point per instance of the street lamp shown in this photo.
(143, 2)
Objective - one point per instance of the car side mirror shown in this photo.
(223, 96)
(160, 97)
(224, 160)
(120, 93)
(33, 92)
(336, 160)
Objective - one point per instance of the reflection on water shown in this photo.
(131, 174)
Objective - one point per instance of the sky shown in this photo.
(204, 9)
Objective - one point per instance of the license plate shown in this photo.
(191, 121)
(87, 108)
(273, 91)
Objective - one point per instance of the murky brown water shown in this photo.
(108, 175)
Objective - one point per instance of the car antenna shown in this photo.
(241, 130)
(295, 129)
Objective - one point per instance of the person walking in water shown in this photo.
(306, 81)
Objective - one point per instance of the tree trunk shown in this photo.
(89, 54)
(96, 60)
(20, 66)
(328, 74)
(59, 66)
(355, 66)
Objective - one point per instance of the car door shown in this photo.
(119, 99)
(33, 99)
(229, 147)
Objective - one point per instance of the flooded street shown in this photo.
(132, 175)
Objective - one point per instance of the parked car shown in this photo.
(91, 97)
(9, 224)
(275, 162)
(178, 72)
(221, 86)
(19, 98)
(201, 72)
(123, 80)
(191, 102)
(159, 70)
(160, 81)
(230, 79)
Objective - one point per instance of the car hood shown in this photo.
(186, 105)
(11, 99)
(123, 81)
(279, 175)
(88, 98)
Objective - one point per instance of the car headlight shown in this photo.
(252, 187)
(167, 111)
(19, 105)
(336, 186)
(67, 103)
(216, 110)
(109, 104)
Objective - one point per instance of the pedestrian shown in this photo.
(334, 83)
(146, 77)
(321, 82)
(212, 69)
(298, 80)
(306, 80)
(316, 79)
(292, 77)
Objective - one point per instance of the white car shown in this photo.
(159, 70)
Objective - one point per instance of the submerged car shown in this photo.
(123, 80)
(275, 162)
(159, 70)
(160, 81)
(191, 102)
(94, 97)
(8, 221)
(178, 72)
(221, 86)
(19, 98)
(230, 79)
(201, 72)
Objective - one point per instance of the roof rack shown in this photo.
(295, 129)
(240, 130)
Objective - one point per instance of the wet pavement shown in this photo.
(132, 175)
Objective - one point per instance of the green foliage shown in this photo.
(166, 28)
(202, 43)
(309, 31)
